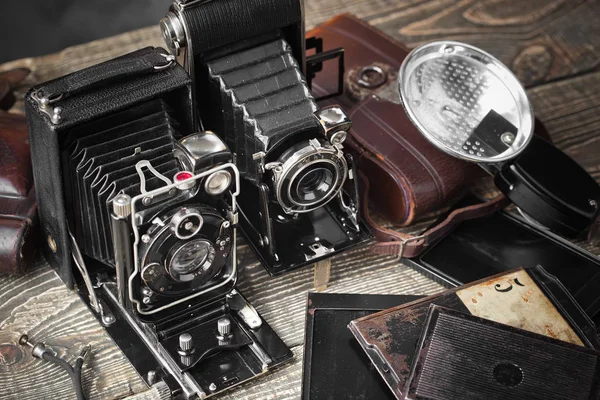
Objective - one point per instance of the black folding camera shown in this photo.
(144, 207)
(299, 197)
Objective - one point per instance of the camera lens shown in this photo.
(308, 175)
(189, 258)
(313, 184)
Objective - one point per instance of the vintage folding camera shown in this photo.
(299, 198)
(139, 212)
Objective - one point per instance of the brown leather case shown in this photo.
(408, 176)
(17, 195)
(404, 176)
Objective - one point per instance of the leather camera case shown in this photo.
(408, 177)
(84, 97)
(17, 197)
(18, 217)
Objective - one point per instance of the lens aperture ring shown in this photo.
(310, 178)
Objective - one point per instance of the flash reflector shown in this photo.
(465, 102)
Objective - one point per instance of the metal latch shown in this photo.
(45, 105)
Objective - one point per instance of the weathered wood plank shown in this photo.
(541, 40)
(41, 306)
(282, 300)
(570, 111)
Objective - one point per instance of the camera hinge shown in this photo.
(260, 158)
(352, 206)
(244, 310)
(233, 217)
(45, 105)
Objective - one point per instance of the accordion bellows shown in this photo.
(99, 162)
(264, 99)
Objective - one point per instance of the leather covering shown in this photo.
(18, 222)
(107, 93)
(416, 177)
(17, 197)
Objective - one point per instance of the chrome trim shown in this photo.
(281, 170)
(134, 223)
(182, 214)
(184, 380)
(304, 168)
(439, 50)
(222, 188)
(139, 168)
(196, 147)
(184, 49)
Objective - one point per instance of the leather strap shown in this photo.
(392, 243)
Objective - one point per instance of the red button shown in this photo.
(182, 176)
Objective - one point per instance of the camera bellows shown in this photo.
(99, 162)
(264, 98)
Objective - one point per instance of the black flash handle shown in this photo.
(551, 188)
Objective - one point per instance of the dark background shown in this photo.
(37, 27)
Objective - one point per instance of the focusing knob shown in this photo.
(186, 343)
(122, 205)
(173, 33)
(224, 327)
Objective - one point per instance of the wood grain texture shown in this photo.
(542, 40)
(41, 306)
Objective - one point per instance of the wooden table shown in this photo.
(552, 45)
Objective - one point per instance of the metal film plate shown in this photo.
(465, 102)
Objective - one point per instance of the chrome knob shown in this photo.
(173, 33)
(186, 343)
(122, 205)
(224, 327)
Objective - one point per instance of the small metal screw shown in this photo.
(593, 203)
(56, 118)
(145, 238)
(189, 226)
(508, 138)
(146, 201)
(226, 224)
(108, 319)
(449, 49)
(212, 387)
(24, 341)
